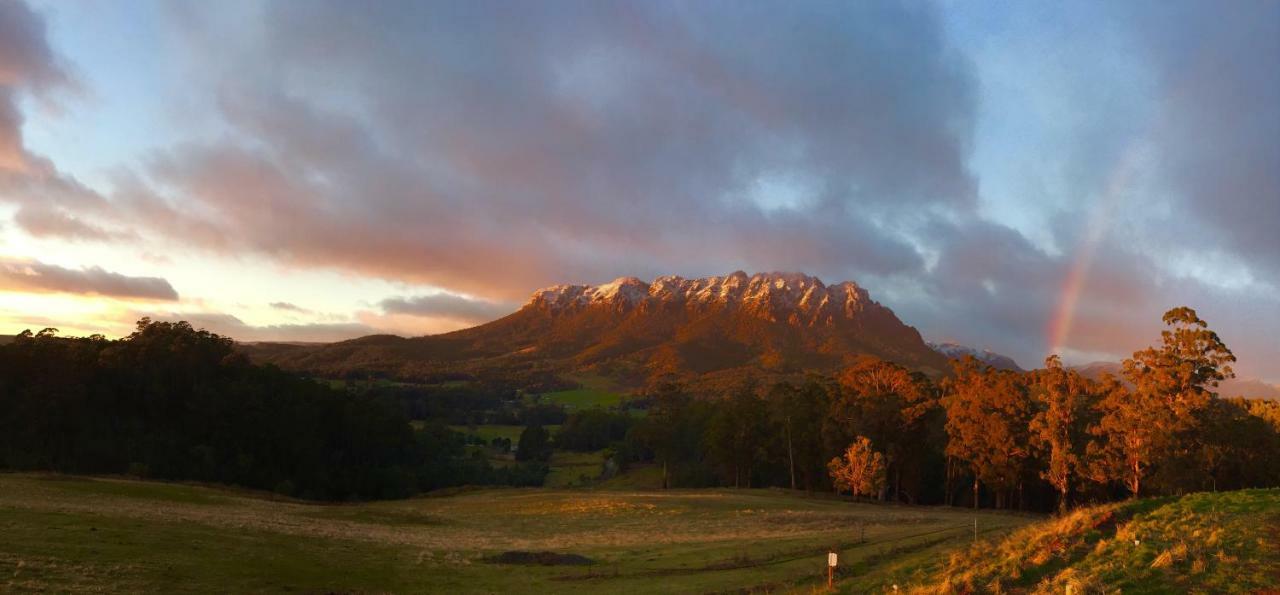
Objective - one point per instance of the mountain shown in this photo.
(991, 358)
(771, 323)
(1235, 387)
(1095, 370)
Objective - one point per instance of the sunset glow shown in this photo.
(1047, 180)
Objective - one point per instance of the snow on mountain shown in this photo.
(991, 358)
(792, 297)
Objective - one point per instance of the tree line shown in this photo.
(980, 436)
(172, 402)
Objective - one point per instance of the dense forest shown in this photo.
(173, 402)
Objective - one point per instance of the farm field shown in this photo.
(76, 533)
(490, 431)
(583, 398)
(595, 391)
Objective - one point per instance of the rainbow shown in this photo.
(1073, 286)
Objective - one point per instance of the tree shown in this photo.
(1059, 426)
(988, 415)
(535, 444)
(861, 470)
(735, 436)
(782, 400)
(888, 404)
(1172, 385)
(797, 413)
(1124, 441)
(660, 431)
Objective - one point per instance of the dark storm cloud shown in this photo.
(38, 277)
(1219, 128)
(494, 148)
(443, 305)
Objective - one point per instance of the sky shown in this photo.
(1026, 177)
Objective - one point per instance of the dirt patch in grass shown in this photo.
(540, 559)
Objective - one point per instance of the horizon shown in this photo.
(1026, 178)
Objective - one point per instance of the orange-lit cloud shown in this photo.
(440, 148)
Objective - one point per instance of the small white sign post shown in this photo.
(831, 568)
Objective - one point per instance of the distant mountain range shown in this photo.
(632, 330)
(991, 358)
(1235, 387)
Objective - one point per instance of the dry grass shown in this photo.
(1199, 543)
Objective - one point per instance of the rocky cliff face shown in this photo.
(786, 321)
(793, 298)
(731, 325)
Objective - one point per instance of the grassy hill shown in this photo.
(1225, 542)
(84, 534)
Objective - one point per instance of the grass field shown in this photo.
(569, 468)
(489, 432)
(68, 533)
(596, 391)
(583, 398)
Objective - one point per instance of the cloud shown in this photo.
(489, 149)
(26, 64)
(32, 276)
(444, 305)
(45, 222)
(493, 153)
(1219, 121)
(288, 307)
(29, 67)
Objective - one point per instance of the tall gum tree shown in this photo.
(1059, 428)
(1155, 429)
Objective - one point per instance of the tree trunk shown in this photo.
(791, 460)
(975, 493)
(664, 474)
(948, 497)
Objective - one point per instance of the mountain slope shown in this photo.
(775, 322)
(991, 358)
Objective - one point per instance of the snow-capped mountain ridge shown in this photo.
(713, 328)
(793, 297)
